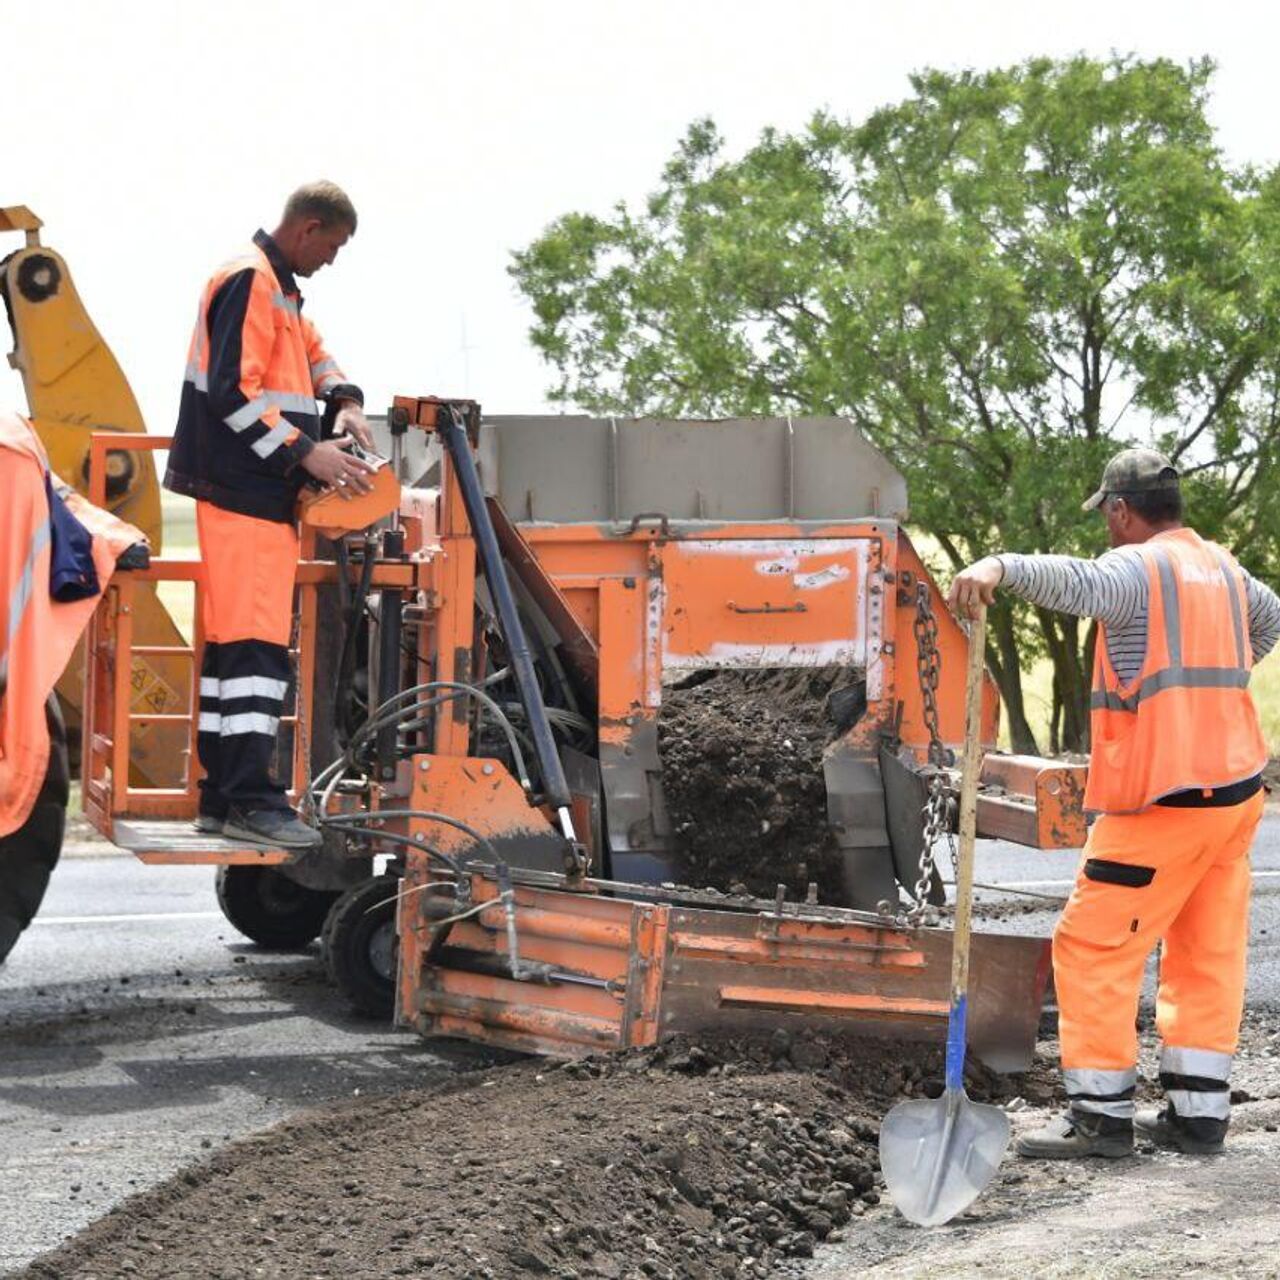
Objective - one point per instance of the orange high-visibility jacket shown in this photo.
(255, 368)
(1187, 720)
(37, 633)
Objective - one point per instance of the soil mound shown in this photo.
(741, 759)
(690, 1160)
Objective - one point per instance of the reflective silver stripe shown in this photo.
(1171, 678)
(210, 722)
(328, 379)
(250, 687)
(249, 722)
(1122, 1108)
(274, 438)
(323, 366)
(285, 304)
(1172, 610)
(1237, 623)
(1099, 1080)
(208, 686)
(1196, 1062)
(197, 376)
(20, 596)
(295, 401)
(1093, 1089)
(247, 415)
(1188, 1103)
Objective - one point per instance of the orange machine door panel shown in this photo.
(764, 603)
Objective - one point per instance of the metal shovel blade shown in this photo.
(938, 1154)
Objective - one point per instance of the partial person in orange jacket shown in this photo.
(1176, 775)
(57, 553)
(249, 436)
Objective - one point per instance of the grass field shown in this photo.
(179, 543)
(1037, 687)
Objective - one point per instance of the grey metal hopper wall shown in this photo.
(595, 470)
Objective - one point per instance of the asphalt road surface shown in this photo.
(138, 1030)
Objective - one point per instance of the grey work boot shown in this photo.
(1077, 1134)
(271, 829)
(207, 824)
(1194, 1135)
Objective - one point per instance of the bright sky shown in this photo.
(153, 138)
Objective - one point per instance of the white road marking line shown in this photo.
(133, 919)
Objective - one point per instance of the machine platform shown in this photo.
(170, 840)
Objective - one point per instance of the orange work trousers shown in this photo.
(249, 567)
(1176, 875)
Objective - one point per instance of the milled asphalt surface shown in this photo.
(138, 1030)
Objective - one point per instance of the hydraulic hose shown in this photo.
(454, 439)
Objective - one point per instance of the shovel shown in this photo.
(939, 1154)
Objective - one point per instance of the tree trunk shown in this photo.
(1002, 658)
(1062, 637)
(1055, 718)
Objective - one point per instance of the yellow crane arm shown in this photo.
(74, 387)
(73, 382)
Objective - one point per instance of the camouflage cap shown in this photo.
(1135, 471)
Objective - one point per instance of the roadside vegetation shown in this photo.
(1002, 279)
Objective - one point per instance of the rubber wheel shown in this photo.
(269, 908)
(361, 947)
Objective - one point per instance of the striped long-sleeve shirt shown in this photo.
(1114, 589)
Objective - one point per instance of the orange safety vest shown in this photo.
(1187, 720)
(37, 633)
(255, 368)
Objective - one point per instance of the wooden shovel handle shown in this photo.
(972, 767)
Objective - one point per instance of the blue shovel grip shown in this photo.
(956, 1042)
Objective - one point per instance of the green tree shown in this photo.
(1001, 280)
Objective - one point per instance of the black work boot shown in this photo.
(271, 829)
(208, 824)
(1077, 1134)
(1194, 1135)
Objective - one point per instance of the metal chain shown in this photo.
(929, 669)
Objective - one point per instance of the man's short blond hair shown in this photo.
(324, 200)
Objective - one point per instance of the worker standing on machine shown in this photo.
(248, 437)
(1176, 774)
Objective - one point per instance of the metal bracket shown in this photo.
(798, 607)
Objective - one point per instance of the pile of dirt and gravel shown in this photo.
(741, 759)
(695, 1159)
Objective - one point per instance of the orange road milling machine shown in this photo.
(481, 651)
(480, 660)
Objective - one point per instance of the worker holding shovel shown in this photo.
(1176, 775)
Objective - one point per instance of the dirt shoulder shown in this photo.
(1156, 1214)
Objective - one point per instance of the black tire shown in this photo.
(361, 947)
(270, 909)
(29, 855)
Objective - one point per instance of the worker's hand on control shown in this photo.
(351, 421)
(332, 465)
(974, 585)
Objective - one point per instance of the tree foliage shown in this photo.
(1002, 279)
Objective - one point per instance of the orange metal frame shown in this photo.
(113, 668)
(628, 970)
(634, 964)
